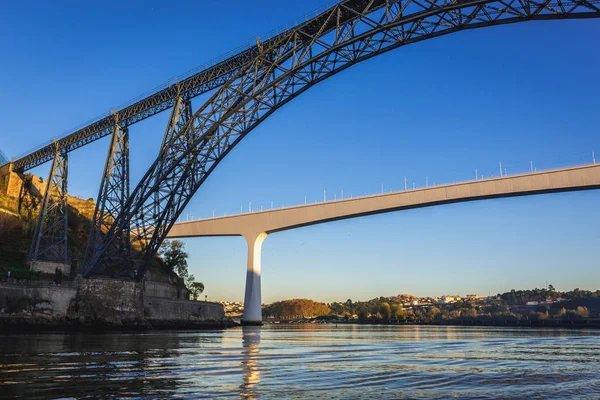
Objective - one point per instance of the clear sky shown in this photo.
(438, 109)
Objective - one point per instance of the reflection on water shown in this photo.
(305, 361)
(251, 343)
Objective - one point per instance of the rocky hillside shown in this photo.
(18, 223)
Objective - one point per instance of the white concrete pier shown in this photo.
(252, 298)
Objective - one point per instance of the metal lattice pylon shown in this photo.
(181, 114)
(113, 193)
(50, 237)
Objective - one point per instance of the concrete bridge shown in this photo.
(255, 227)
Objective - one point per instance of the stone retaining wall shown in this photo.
(168, 309)
(161, 289)
(123, 296)
(54, 300)
(49, 267)
(110, 301)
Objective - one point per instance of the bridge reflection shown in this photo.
(250, 368)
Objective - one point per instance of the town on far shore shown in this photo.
(546, 306)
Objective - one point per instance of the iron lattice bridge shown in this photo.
(252, 85)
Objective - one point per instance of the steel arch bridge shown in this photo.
(272, 74)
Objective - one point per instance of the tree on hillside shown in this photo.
(11, 232)
(196, 289)
(363, 314)
(394, 308)
(175, 257)
(385, 311)
(296, 308)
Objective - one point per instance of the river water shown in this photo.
(305, 361)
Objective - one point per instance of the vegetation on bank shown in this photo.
(13, 248)
(551, 305)
(295, 308)
(174, 260)
(16, 235)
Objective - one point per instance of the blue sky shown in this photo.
(437, 109)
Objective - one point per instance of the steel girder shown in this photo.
(196, 85)
(50, 235)
(208, 79)
(347, 33)
(113, 193)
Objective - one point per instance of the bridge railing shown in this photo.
(585, 159)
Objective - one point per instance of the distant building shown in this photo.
(449, 299)
(233, 307)
(473, 297)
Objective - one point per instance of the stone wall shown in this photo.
(54, 300)
(110, 302)
(11, 182)
(49, 267)
(161, 289)
(166, 309)
(110, 296)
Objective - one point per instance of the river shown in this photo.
(305, 361)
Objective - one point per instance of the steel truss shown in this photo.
(346, 34)
(114, 191)
(50, 235)
(28, 202)
(219, 73)
(118, 259)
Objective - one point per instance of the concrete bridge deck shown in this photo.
(257, 225)
(252, 224)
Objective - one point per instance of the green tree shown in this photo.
(468, 312)
(401, 314)
(394, 308)
(196, 289)
(363, 314)
(385, 311)
(175, 257)
(433, 312)
(296, 308)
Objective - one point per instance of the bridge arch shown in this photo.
(284, 67)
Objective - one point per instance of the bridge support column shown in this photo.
(252, 299)
(49, 247)
(112, 196)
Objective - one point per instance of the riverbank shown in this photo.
(589, 323)
(98, 304)
(36, 324)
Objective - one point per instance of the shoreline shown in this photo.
(573, 324)
(26, 324)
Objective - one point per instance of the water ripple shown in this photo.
(306, 361)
